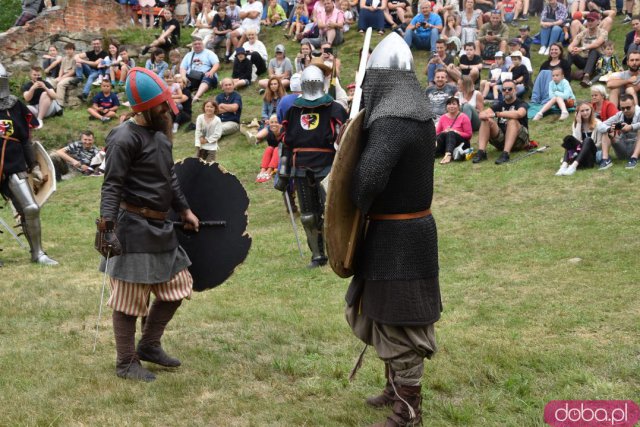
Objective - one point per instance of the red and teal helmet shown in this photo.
(145, 90)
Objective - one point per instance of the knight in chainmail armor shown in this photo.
(17, 161)
(311, 127)
(394, 300)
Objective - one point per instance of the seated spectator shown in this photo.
(120, 68)
(105, 65)
(208, 131)
(67, 73)
(156, 63)
(607, 64)
(303, 59)
(627, 81)
(439, 93)
(51, 63)
(395, 12)
(280, 68)
(424, 30)
(470, 64)
(204, 22)
(471, 101)
(40, 96)
(509, 10)
(372, 15)
(441, 59)
(200, 67)
(578, 23)
(170, 37)
(451, 29)
(581, 146)
(83, 156)
(242, 69)
(87, 66)
(132, 7)
(586, 48)
(233, 12)
(330, 21)
(620, 131)
(492, 36)
(176, 91)
(222, 29)
(632, 39)
(194, 8)
(184, 105)
(30, 10)
(175, 59)
(270, 157)
(525, 40)
(504, 125)
(556, 59)
(470, 21)
(297, 22)
(602, 108)
(275, 14)
(449, 8)
(515, 46)
(560, 95)
(270, 101)
(256, 51)
(105, 104)
(453, 130)
(601, 7)
(349, 16)
(250, 14)
(519, 74)
(485, 6)
(551, 22)
(146, 13)
(230, 107)
(492, 86)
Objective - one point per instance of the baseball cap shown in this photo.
(499, 54)
(524, 28)
(593, 16)
(515, 41)
(279, 48)
(240, 51)
(516, 53)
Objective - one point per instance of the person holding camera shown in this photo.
(424, 30)
(40, 96)
(620, 131)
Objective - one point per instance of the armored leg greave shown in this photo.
(29, 211)
(312, 198)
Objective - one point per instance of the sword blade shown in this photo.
(13, 233)
(293, 222)
(357, 95)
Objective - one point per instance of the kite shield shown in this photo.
(342, 219)
(220, 202)
(43, 191)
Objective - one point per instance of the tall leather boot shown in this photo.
(386, 397)
(127, 363)
(149, 348)
(407, 408)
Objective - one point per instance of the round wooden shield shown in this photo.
(342, 220)
(220, 202)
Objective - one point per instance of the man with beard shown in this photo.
(394, 300)
(134, 234)
(439, 93)
(627, 81)
(311, 125)
(17, 160)
(504, 125)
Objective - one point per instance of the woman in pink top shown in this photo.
(453, 129)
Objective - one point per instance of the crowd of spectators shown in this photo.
(479, 52)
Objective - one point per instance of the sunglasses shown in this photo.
(507, 89)
(626, 108)
(590, 20)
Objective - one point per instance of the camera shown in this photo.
(489, 33)
(618, 126)
(39, 79)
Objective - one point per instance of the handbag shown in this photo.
(195, 77)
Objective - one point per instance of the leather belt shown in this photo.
(400, 216)
(144, 212)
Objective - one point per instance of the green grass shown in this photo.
(522, 324)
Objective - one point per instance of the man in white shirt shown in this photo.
(250, 14)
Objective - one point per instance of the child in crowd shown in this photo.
(508, 10)
(67, 73)
(156, 62)
(525, 40)
(519, 73)
(233, 12)
(174, 86)
(298, 21)
(242, 69)
(103, 68)
(606, 64)
(270, 157)
(51, 63)
(349, 17)
(146, 9)
(275, 14)
(208, 132)
(494, 84)
(120, 68)
(560, 94)
(105, 104)
(174, 61)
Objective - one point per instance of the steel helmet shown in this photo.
(145, 90)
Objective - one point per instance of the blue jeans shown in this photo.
(549, 36)
(431, 71)
(92, 74)
(420, 43)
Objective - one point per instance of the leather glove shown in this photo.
(107, 242)
(38, 178)
(281, 183)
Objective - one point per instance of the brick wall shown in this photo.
(72, 16)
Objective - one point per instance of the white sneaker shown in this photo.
(564, 115)
(541, 51)
(537, 117)
(562, 169)
(98, 81)
(175, 128)
(571, 169)
(40, 124)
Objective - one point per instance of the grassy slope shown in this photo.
(522, 324)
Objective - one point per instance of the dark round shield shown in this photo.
(220, 202)
(342, 220)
